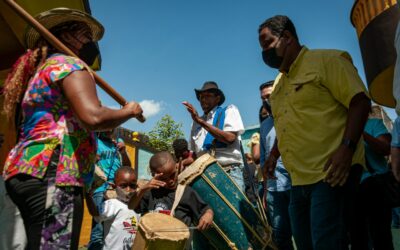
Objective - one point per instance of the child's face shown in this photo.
(168, 174)
(183, 153)
(126, 181)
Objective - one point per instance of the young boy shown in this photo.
(159, 195)
(120, 223)
(182, 153)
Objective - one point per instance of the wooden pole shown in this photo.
(60, 46)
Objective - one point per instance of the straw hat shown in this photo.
(56, 16)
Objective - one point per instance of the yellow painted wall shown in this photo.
(131, 150)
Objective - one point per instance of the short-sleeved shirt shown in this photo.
(189, 210)
(254, 140)
(396, 133)
(375, 127)
(310, 105)
(267, 140)
(109, 160)
(228, 155)
(48, 123)
(120, 225)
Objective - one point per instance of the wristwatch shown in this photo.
(350, 144)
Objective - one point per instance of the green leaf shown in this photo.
(164, 133)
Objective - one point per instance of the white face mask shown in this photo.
(123, 195)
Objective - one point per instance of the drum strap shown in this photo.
(180, 189)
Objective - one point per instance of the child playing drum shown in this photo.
(120, 222)
(162, 195)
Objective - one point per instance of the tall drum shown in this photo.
(237, 224)
(376, 23)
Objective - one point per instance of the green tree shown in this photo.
(164, 133)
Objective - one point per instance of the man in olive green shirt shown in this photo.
(320, 107)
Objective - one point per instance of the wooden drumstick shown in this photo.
(60, 46)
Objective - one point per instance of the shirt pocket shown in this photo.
(305, 91)
(197, 132)
(276, 102)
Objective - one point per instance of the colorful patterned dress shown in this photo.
(50, 125)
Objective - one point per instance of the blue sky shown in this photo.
(158, 51)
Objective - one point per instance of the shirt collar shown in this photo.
(211, 113)
(298, 59)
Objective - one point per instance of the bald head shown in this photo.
(162, 164)
(124, 169)
(160, 159)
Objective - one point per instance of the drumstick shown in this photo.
(261, 210)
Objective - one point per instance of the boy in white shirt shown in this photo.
(120, 223)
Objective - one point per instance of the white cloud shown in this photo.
(150, 108)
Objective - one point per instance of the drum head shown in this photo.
(162, 226)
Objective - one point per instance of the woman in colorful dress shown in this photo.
(53, 160)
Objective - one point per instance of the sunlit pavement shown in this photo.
(396, 238)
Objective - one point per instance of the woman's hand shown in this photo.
(134, 108)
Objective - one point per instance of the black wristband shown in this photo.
(350, 144)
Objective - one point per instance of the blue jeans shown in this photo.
(396, 217)
(322, 215)
(316, 213)
(236, 173)
(278, 213)
(97, 235)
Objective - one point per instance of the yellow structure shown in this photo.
(376, 22)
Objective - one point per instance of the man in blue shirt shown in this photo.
(278, 189)
(111, 155)
(372, 223)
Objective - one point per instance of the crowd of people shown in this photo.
(319, 163)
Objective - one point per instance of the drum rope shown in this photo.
(262, 211)
(234, 210)
(260, 216)
(247, 199)
(231, 244)
(253, 188)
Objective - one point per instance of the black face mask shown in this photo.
(89, 52)
(271, 58)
